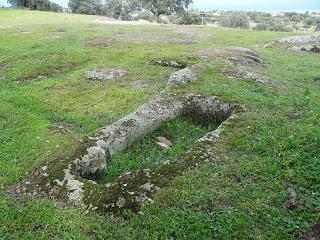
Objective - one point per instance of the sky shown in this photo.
(258, 5)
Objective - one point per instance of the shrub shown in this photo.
(186, 18)
(235, 20)
(190, 19)
(275, 25)
(90, 7)
(145, 15)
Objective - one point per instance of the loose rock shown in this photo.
(164, 143)
(291, 203)
(313, 233)
(182, 77)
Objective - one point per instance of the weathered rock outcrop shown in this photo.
(182, 77)
(105, 75)
(168, 63)
(68, 178)
(307, 48)
(233, 56)
(301, 39)
(251, 76)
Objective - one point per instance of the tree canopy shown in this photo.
(42, 5)
(161, 7)
(90, 7)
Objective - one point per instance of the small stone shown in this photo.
(164, 140)
(163, 146)
(120, 203)
(291, 203)
(147, 186)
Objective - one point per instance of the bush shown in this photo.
(145, 15)
(190, 19)
(235, 20)
(273, 25)
(118, 9)
(90, 7)
(186, 18)
(41, 5)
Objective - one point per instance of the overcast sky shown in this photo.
(260, 5)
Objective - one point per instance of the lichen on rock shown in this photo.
(307, 48)
(105, 75)
(182, 77)
(68, 181)
(301, 39)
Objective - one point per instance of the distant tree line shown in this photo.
(41, 5)
(282, 22)
(123, 8)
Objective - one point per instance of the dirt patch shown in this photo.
(4, 68)
(140, 84)
(105, 75)
(100, 42)
(144, 37)
(312, 233)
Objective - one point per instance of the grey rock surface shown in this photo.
(301, 39)
(307, 48)
(181, 77)
(105, 75)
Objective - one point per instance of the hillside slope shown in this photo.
(47, 105)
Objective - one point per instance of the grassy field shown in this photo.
(240, 195)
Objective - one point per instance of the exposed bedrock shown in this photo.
(182, 77)
(233, 56)
(69, 179)
(301, 39)
(307, 48)
(251, 76)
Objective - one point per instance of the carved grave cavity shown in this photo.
(71, 179)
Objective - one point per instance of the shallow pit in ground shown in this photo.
(145, 153)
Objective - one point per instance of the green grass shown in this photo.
(145, 153)
(240, 195)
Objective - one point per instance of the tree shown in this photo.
(90, 7)
(42, 5)
(120, 8)
(165, 7)
(20, 3)
(235, 20)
